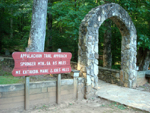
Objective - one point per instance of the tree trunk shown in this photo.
(11, 24)
(143, 59)
(36, 40)
(107, 57)
(146, 61)
(96, 1)
(49, 24)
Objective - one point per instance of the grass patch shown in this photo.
(8, 78)
(119, 106)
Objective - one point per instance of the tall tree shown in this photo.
(143, 59)
(36, 40)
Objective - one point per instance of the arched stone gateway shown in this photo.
(88, 43)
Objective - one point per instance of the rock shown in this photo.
(88, 80)
(99, 18)
(92, 78)
(95, 25)
(117, 75)
(96, 55)
(96, 48)
(96, 61)
(93, 84)
(90, 38)
(96, 69)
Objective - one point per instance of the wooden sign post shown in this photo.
(58, 86)
(41, 63)
(27, 93)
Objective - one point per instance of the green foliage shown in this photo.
(115, 44)
(67, 16)
(66, 19)
(144, 41)
(116, 67)
(18, 15)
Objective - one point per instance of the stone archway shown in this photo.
(88, 43)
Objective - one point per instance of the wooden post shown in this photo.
(75, 74)
(58, 86)
(75, 88)
(27, 92)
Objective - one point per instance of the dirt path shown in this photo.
(94, 105)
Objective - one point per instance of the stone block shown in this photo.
(126, 76)
(96, 48)
(84, 48)
(121, 76)
(89, 61)
(44, 89)
(88, 71)
(92, 73)
(95, 25)
(117, 75)
(96, 61)
(90, 38)
(12, 88)
(88, 80)
(96, 69)
(92, 78)
(93, 84)
(84, 75)
(96, 55)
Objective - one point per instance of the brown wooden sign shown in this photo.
(38, 63)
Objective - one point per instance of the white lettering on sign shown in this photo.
(31, 56)
(41, 63)
(56, 70)
(27, 63)
(51, 71)
(17, 72)
(54, 62)
(62, 62)
(48, 63)
(30, 71)
(59, 69)
(65, 69)
(47, 56)
(43, 70)
(60, 56)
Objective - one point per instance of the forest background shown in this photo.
(62, 29)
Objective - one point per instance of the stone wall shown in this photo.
(41, 93)
(110, 75)
(113, 76)
(7, 61)
(73, 65)
(141, 80)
